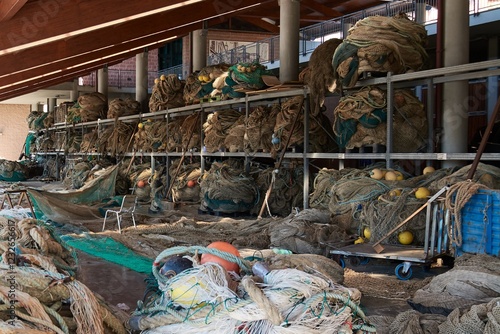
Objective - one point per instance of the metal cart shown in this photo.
(436, 242)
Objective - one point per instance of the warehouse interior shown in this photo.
(232, 166)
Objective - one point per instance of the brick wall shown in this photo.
(13, 130)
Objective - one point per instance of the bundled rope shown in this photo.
(284, 120)
(151, 136)
(260, 127)
(114, 140)
(216, 128)
(119, 107)
(90, 107)
(167, 93)
(487, 175)
(225, 188)
(234, 140)
(380, 44)
(174, 139)
(190, 131)
(186, 186)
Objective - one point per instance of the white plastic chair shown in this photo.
(129, 203)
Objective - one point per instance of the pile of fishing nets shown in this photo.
(320, 76)
(38, 288)
(380, 44)
(235, 138)
(151, 136)
(190, 131)
(224, 293)
(119, 107)
(167, 92)
(115, 140)
(287, 189)
(225, 188)
(76, 173)
(36, 119)
(306, 232)
(260, 128)
(185, 181)
(205, 83)
(89, 107)
(140, 177)
(216, 128)
(361, 117)
(174, 138)
(13, 171)
(90, 141)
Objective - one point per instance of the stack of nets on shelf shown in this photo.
(115, 140)
(140, 177)
(235, 138)
(205, 83)
(151, 136)
(260, 128)
(360, 119)
(287, 189)
(167, 92)
(185, 186)
(216, 128)
(380, 44)
(174, 138)
(119, 107)
(38, 289)
(226, 189)
(208, 297)
(190, 132)
(306, 232)
(90, 140)
(90, 107)
(36, 120)
(13, 171)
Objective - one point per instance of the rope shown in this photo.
(456, 198)
(271, 311)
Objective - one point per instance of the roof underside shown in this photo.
(46, 42)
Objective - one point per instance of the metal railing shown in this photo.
(117, 78)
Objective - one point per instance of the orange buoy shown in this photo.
(141, 184)
(191, 183)
(224, 247)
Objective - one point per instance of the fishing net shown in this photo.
(414, 322)
(141, 178)
(284, 123)
(167, 93)
(380, 44)
(192, 88)
(174, 139)
(47, 295)
(12, 171)
(217, 127)
(321, 77)
(119, 107)
(90, 141)
(35, 120)
(247, 76)
(151, 136)
(284, 299)
(190, 132)
(90, 107)
(260, 128)
(225, 188)
(474, 279)
(487, 175)
(49, 120)
(287, 189)
(115, 140)
(360, 119)
(234, 141)
(185, 186)
(305, 232)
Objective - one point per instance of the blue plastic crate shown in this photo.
(481, 224)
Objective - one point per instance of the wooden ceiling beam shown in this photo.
(327, 12)
(116, 35)
(9, 8)
(261, 24)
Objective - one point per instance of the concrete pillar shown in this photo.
(141, 80)
(102, 81)
(345, 29)
(51, 103)
(289, 39)
(455, 94)
(73, 94)
(199, 53)
(492, 88)
(420, 11)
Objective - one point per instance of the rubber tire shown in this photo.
(354, 261)
(403, 276)
(342, 262)
(364, 260)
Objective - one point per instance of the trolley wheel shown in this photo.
(364, 260)
(401, 274)
(342, 262)
(355, 261)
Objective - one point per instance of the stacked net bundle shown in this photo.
(36, 120)
(167, 93)
(360, 119)
(207, 299)
(89, 141)
(141, 178)
(73, 142)
(115, 140)
(46, 296)
(192, 88)
(119, 107)
(287, 190)
(243, 77)
(185, 186)
(234, 141)
(216, 128)
(380, 44)
(190, 132)
(49, 120)
(487, 175)
(12, 171)
(306, 232)
(291, 109)
(174, 138)
(90, 107)
(151, 136)
(260, 128)
(225, 188)
(321, 77)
